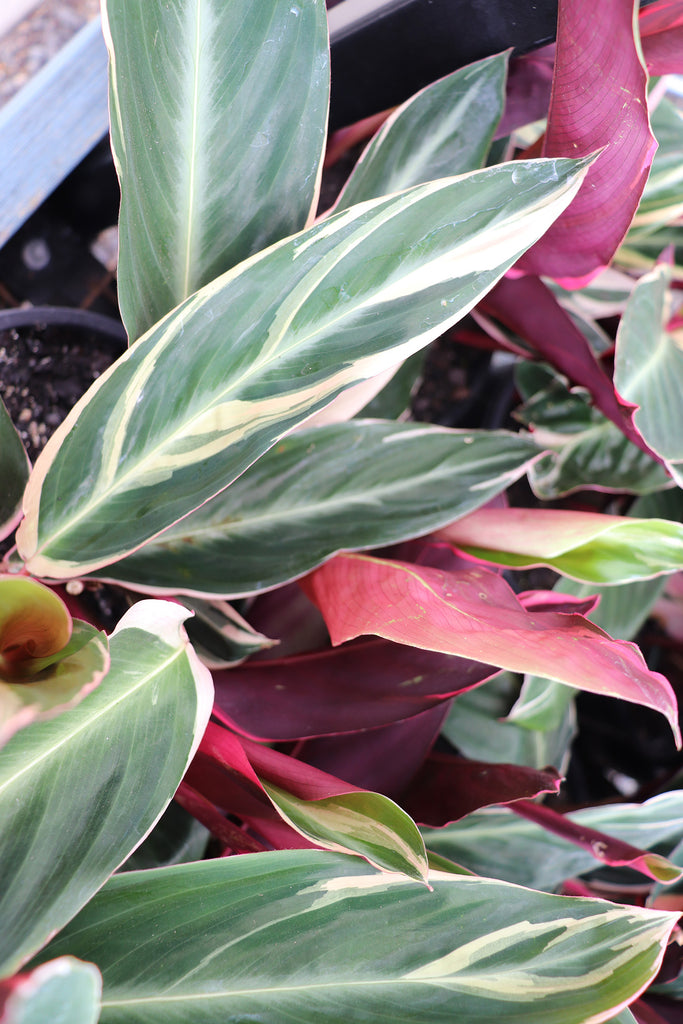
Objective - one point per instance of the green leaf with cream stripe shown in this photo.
(444, 129)
(235, 367)
(323, 939)
(218, 117)
(320, 490)
(79, 792)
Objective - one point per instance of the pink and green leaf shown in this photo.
(598, 102)
(257, 783)
(65, 986)
(48, 663)
(586, 546)
(476, 615)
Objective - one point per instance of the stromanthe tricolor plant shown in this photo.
(220, 460)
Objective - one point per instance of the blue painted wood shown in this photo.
(50, 125)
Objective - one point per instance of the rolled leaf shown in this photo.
(213, 941)
(14, 470)
(321, 490)
(234, 98)
(587, 546)
(649, 367)
(208, 390)
(598, 102)
(325, 810)
(66, 679)
(78, 793)
(66, 986)
(444, 129)
(475, 614)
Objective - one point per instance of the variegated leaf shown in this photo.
(65, 989)
(318, 491)
(79, 792)
(218, 115)
(648, 367)
(324, 939)
(444, 129)
(235, 367)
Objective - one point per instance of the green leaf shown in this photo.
(501, 844)
(587, 449)
(648, 369)
(78, 793)
(662, 199)
(219, 634)
(348, 486)
(477, 725)
(324, 939)
(63, 991)
(444, 129)
(218, 115)
(208, 390)
(365, 823)
(14, 471)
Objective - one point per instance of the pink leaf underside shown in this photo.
(598, 101)
(384, 760)
(340, 690)
(527, 94)
(475, 614)
(530, 309)
(448, 788)
(661, 30)
(603, 847)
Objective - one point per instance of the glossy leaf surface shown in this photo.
(475, 614)
(252, 355)
(65, 989)
(500, 844)
(234, 97)
(587, 546)
(351, 958)
(14, 470)
(598, 102)
(444, 129)
(649, 367)
(321, 490)
(79, 792)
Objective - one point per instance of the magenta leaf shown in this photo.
(603, 847)
(530, 309)
(661, 32)
(475, 614)
(448, 787)
(340, 690)
(598, 102)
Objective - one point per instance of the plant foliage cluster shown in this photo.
(330, 663)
